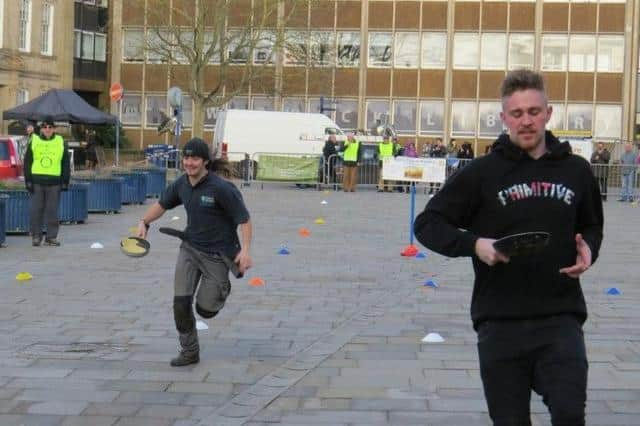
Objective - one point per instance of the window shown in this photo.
(610, 53)
(380, 54)
(262, 103)
(320, 48)
(327, 106)
(554, 53)
(465, 51)
(46, 29)
(579, 118)
(463, 118)
(184, 44)
(156, 104)
(238, 102)
(158, 50)
(295, 45)
(434, 50)
(521, 51)
(490, 124)
(377, 113)
(77, 44)
(608, 121)
(22, 96)
(87, 45)
(347, 114)
(407, 50)
(431, 118)
(582, 53)
(348, 49)
(556, 122)
(131, 110)
(494, 51)
(404, 116)
(133, 49)
(100, 51)
(187, 111)
(263, 52)
(24, 26)
(293, 105)
(210, 116)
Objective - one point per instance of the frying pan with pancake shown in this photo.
(523, 244)
(135, 246)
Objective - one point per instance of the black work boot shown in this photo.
(185, 358)
(51, 242)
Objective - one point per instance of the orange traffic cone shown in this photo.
(256, 282)
(304, 232)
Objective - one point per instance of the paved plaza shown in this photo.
(332, 338)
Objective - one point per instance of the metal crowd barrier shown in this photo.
(611, 178)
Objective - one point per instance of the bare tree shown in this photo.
(226, 45)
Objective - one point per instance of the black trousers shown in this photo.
(44, 210)
(547, 355)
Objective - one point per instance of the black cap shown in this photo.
(196, 147)
(48, 122)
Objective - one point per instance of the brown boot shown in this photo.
(185, 358)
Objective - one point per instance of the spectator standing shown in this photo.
(627, 173)
(47, 170)
(92, 155)
(437, 151)
(330, 156)
(410, 150)
(386, 149)
(600, 160)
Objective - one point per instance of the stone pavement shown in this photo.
(332, 338)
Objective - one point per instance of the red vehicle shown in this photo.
(10, 159)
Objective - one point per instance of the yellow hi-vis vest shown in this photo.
(47, 155)
(385, 150)
(351, 151)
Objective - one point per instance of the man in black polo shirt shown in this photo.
(214, 210)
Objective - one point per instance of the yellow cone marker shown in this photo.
(319, 221)
(24, 276)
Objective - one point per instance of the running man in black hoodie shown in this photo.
(528, 312)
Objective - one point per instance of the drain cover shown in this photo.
(71, 350)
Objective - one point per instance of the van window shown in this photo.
(4, 150)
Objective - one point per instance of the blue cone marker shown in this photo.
(421, 255)
(613, 291)
(431, 283)
(283, 251)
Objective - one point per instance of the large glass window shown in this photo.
(295, 48)
(321, 48)
(156, 104)
(293, 105)
(158, 51)
(100, 53)
(404, 116)
(466, 51)
(185, 39)
(557, 122)
(263, 52)
(87, 45)
(407, 50)
(133, 45)
(187, 111)
(554, 52)
(22, 96)
(431, 118)
(210, 116)
(494, 51)
(262, 103)
(608, 121)
(521, 51)
(348, 49)
(582, 53)
(237, 47)
(77, 43)
(434, 50)
(46, 29)
(131, 110)
(380, 50)
(463, 118)
(610, 53)
(579, 118)
(490, 124)
(347, 114)
(238, 102)
(327, 106)
(24, 26)
(377, 113)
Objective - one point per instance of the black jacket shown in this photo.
(63, 179)
(507, 192)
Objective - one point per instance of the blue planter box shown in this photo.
(2, 214)
(74, 203)
(16, 218)
(156, 181)
(134, 187)
(104, 194)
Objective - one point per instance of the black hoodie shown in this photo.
(508, 192)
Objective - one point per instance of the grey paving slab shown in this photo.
(333, 337)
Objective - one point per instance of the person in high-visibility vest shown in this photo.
(386, 149)
(351, 156)
(46, 172)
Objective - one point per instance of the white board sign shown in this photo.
(583, 148)
(410, 169)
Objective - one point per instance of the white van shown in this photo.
(250, 132)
